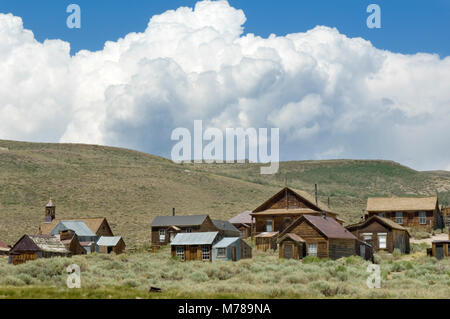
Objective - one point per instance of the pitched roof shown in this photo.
(242, 218)
(292, 236)
(93, 224)
(224, 225)
(284, 211)
(50, 204)
(203, 238)
(385, 221)
(79, 227)
(225, 242)
(40, 243)
(191, 220)
(267, 234)
(383, 204)
(329, 227)
(3, 246)
(109, 241)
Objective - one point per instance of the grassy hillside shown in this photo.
(130, 187)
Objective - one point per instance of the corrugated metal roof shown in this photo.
(225, 242)
(242, 218)
(79, 227)
(224, 225)
(204, 238)
(108, 241)
(192, 220)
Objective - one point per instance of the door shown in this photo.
(288, 251)
(362, 251)
(440, 251)
(233, 253)
(193, 253)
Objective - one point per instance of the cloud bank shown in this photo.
(330, 95)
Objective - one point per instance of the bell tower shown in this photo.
(50, 212)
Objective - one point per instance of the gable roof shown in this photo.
(225, 242)
(224, 225)
(109, 241)
(384, 204)
(292, 236)
(93, 223)
(40, 243)
(384, 221)
(3, 246)
(202, 238)
(77, 226)
(190, 220)
(308, 198)
(242, 218)
(328, 227)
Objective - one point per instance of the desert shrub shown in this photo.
(312, 259)
(199, 276)
(397, 253)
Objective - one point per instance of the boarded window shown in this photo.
(312, 249)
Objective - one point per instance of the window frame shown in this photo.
(271, 225)
(205, 252)
(399, 217)
(162, 235)
(180, 252)
(221, 252)
(316, 245)
(423, 217)
(382, 235)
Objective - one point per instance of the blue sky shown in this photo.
(408, 26)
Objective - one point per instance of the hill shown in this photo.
(130, 187)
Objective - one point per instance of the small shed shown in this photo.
(4, 249)
(31, 247)
(194, 246)
(267, 240)
(291, 246)
(440, 248)
(231, 248)
(107, 245)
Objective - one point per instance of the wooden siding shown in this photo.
(192, 252)
(312, 236)
(297, 250)
(339, 248)
(23, 258)
(446, 247)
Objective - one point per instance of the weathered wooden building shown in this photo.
(71, 242)
(165, 228)
(382, 234)
(419, 212)
(279, 211)
(440, 249)
(312, 235)
(231, 248)
(266, 240)
(31, 247)
(446, 216)
(4, 249)
(244, 223)
(226, 229)
(109, 245)
(194, 246)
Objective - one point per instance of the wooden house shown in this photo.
(278, 212)
(194, 246)
(382, 234)
(440, 249)
(244, 223)
(446, 216)
(419, 212)
(98, 225)
(85, 235)
(226, 229)
(4, 249)
(109, 245)
(165, 228)
(71, 242)
(312, 235)
(31, 247)
(231, 248)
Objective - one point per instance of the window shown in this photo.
(188, 230)
(367, 237)
(422, 218)
(269, 224)
(221, 252)
(245, 252)
(399, 218)
(162, 235)
(180, 252)
(312, 249)
(382, 214)
(205, 252)
(382, 241)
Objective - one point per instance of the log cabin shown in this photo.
(382, 234)
(244, 223)
(165, 228)
(320, 236)
(278, 212)
(194, 246)
(418, 212)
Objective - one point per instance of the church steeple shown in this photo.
(50, 212)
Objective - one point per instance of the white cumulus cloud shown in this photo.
(330, 95)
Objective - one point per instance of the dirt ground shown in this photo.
(431, 239)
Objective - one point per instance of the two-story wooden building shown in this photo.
(420, 212)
